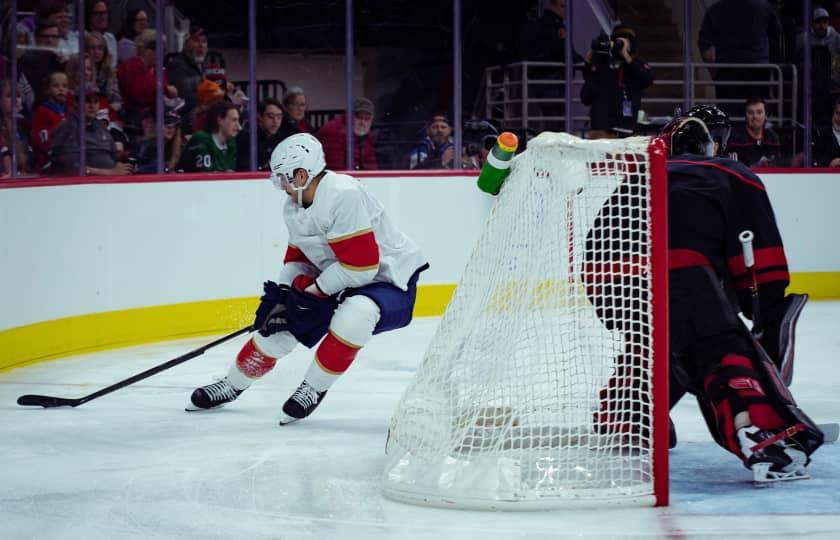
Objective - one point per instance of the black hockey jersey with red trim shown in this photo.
(711, 201)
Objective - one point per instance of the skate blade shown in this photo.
(285, 419)
(763, 476)
(192, 408)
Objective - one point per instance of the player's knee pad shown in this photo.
(355, 319)
(734, 387)
(350, 330)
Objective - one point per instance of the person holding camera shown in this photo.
(613, 83)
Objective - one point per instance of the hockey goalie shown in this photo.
(746, 403)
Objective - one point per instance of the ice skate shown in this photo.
(302, 403)
(771, 461)
(213, 396)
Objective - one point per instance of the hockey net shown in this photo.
(537, 389)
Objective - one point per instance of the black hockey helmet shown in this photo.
(716, 122)
(688, 135)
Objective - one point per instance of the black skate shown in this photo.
(302, 403)
(772, 460)
(213, 395)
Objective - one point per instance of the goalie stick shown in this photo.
(51, 401)
(831, 430)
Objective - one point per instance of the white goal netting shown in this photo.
(536, 388)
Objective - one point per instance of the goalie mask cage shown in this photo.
(545, 384)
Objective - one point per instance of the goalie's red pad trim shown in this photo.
(294, 254)
(253, 362)
(734, 387)
(784, 434)
(357, 251)
(334, 355)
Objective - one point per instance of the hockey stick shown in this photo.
(50, 401)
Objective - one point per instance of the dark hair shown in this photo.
(89, 5)
(42, 24)
(263, 105)
(216, 112)
(127, 30)
(48, 7)
(752, 100)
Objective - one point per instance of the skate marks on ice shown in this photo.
(134, 465)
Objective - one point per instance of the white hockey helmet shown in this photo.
(298, 151)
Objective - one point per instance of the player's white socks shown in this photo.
(319, 379)
(237, 379)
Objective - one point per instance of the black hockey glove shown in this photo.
(308, 316)
(271, 313)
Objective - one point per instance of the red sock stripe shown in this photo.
(335, 355)
(253, 362)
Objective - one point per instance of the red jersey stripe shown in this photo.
(764, 258)
(357, 251)
(294, 254)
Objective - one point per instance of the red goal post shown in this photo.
(546, 383)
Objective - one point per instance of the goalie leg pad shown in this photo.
(734, 387)
(780, 333)
(624, 401)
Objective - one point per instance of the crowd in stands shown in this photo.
(205, 114)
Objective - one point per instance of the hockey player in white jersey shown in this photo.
(348, 274)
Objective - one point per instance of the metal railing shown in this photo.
(517, 95)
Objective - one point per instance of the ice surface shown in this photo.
(133, 464)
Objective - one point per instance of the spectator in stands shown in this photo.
(20, 139)
(214, 148)
(333, 137)
(755, 144)
(36, 64)
(739, 31)
(104, 74)
(825, 46)
(100, 152)
(270, 131)
(137, 78)
(98, 19)
(145, 149)
(294, 104)
(62, 15)
(215, 71)
(613, 83)
(436, 150)
(209, 93)
(48, 116)
(186, 68)
(827, 141)
(135, 22)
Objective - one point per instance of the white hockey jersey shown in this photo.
(348, 238)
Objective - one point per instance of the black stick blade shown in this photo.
(31, 400)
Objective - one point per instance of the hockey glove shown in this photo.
(308, 314)
(271, 313)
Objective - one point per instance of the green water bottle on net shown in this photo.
(496, 168)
